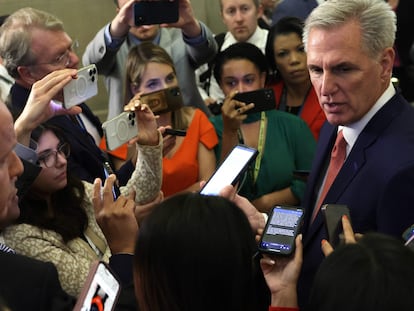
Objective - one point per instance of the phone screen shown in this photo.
(281, 230)
(230, 170)
(100, 292)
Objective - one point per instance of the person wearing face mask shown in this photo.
(284, 141)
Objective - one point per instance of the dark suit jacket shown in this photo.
(86, 159)
(376, 182)
(30, 284)
(298, 8)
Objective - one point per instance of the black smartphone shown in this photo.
(115, 188)
(281, 229)
(164, 100)
(155, 12)
(230, 171)
(169, 131)
(100, 291)
(263, 99)
(333, 221)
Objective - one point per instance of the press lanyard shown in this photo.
(260, 145)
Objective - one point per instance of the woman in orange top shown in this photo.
(293, 88)
(187, 159)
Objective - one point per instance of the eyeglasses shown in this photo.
(64, 59)
(49, 157)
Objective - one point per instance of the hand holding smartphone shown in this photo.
(333, 221)
(230, 171)
(263, 99)
(115, 188)
(120, 130)
(100, 291)
(281, 229)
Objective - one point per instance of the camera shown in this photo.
(82, 88)
(120, 130)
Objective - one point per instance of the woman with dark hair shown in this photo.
(57, 221)
(289, 77)
(284, 141)
(195, 252)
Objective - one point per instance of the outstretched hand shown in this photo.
(40, 107)
(349, 236)
(148, 133)
(282, 274)
(116, 219)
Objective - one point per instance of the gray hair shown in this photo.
(16, 35)
(376, 18)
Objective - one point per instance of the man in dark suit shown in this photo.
(29, 58)
(350, 58)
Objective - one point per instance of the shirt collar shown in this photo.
(352, 131)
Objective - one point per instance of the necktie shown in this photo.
(6, 249)
(338, 156)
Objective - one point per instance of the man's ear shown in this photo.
(387, 63)
(26, 75)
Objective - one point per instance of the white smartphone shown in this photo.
(120, 130)
(84, 87)
(230, 171)
(100, 291)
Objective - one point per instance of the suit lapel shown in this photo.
(353, 164)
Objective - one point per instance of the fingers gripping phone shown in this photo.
(263, 99)
(281, 229)
(100, 291)
(115, 188)
(120, 130)
(161, 101)
(155, 12)
(333, 221)
(230, 171)
(82, 88)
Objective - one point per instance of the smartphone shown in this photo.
(120, 130)
(333, 221)
(115, 188)
(169, 99)
(155, 12)
(100, 291)
(263, 99)
(230, 171)
(82, 88)
(281, 229)
(169, 131)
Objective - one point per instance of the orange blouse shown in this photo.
(181, 170)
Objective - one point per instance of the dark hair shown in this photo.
(69, 218)
(240, 50)
(374, 274)
(284, 26)
(194, 252)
